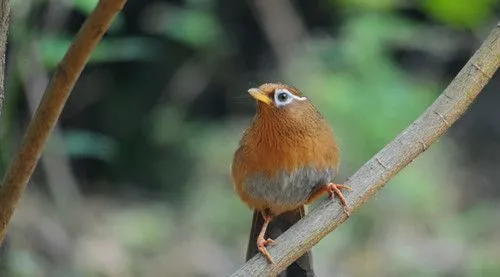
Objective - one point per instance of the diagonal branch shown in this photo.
(50, 107)
(372, 176)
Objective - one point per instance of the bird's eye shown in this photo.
(282, 97)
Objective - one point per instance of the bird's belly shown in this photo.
(286, 190)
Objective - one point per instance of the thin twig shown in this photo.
(372, 177)
(50, 108)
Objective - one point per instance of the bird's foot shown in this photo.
(335, 189)
(261, 245)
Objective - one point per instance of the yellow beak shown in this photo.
(260, 96)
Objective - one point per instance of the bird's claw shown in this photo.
(335, 189)
(347, 211)
(261, 245)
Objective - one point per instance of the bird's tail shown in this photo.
(302, 267)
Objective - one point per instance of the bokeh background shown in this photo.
(135, 180)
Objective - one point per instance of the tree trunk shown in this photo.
(4, 28)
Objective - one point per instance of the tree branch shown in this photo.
(4, 30)
(50, 107)
(372, 176)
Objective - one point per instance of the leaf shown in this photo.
(460, 13)
(89, 145)
(109, 50)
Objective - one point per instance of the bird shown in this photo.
(286, 159)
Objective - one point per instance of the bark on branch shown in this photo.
(372, 176)
(4, 30)
(51, 105)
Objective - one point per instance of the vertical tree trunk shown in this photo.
(4, 28)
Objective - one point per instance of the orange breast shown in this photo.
(271, 155)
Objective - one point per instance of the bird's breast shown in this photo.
(278, 167)
(286, 190)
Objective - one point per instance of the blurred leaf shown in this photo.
(127, 49)
(53, 49)
(460, 13)
(85, 6)
(108, 50)
(90, 145)
(368, 4)
(197, 28)
(194, 27)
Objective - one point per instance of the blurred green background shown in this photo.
(135, 180)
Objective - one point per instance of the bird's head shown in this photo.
(283, 106)
(277, 96)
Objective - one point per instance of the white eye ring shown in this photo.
(283, 97)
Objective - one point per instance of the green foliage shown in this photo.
(194, 27)
(85, 6)
(461, 13)
(363, 77)
(110, 50)
(90, 145)
(368, 5)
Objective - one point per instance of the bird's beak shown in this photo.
(260, 96)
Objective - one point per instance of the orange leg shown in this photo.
(332, 190)
(261, 242)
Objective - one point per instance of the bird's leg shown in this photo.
(261, 242)
(335, 189)
(332, 190)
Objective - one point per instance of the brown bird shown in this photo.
(286, 158)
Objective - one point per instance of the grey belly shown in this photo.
(288, 188)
